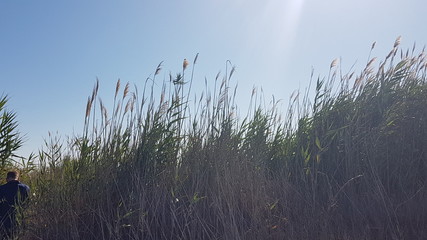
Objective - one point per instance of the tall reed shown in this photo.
(348, 163)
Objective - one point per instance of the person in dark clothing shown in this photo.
(13, 196)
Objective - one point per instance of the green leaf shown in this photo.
(317, 141)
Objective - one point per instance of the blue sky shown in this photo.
(51, 51)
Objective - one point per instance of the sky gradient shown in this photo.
(51, 52)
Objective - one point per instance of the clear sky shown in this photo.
(52, 51)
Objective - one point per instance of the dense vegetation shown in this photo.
(347, 163)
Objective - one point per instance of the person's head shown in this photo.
(12, 175)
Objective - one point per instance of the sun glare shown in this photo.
(288, 15)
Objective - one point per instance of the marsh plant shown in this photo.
(10, 139)
(347, 163)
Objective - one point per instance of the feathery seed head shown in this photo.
(334, 63)
(397, 42)
(126, 90)
(371, 62)
(88, 106)
(117, 87)
(159, 67)
(184, 64)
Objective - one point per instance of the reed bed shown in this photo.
(347, 163)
